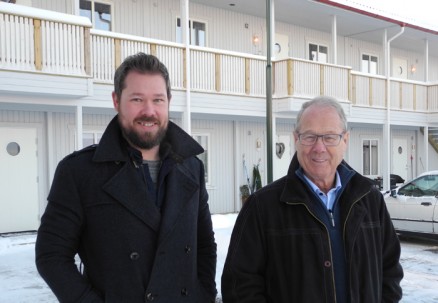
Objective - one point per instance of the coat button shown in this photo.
(134, 256)
(149, 297)
(187, 249)
(327, 263)
(184, 292)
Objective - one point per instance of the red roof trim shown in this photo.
(377, 16)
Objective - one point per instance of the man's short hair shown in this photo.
(322, 101)
(141, 63)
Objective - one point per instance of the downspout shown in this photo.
(335, 39)
(386, 179)
(426, 128)
(269, 144)
(186, 119)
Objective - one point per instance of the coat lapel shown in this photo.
(129, 190)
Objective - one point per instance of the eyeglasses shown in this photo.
(327, 139)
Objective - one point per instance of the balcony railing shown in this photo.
(36, 41)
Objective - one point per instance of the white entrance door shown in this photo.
(282, 157)
(400, 68)
(281, 46)
(18, 179)
(400, 157)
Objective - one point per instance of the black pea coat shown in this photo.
(131, 250)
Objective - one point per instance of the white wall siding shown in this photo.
(18, 116)
(221, 187)
(61, 6)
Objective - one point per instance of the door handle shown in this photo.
(426, 203)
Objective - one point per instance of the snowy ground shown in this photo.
(20, 282)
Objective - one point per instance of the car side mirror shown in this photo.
(393, 193)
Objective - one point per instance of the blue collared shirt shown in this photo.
(327, 199)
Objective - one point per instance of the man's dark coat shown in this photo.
(132, 251)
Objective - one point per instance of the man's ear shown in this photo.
(116, 102)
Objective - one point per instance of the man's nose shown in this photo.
(319, 144)
(147, 107)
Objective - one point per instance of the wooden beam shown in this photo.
(415, 97)
(184, 68)
(117, 52)
(154, 49)
(37, 44)
(87, 51)
(217, 72)
(290, 77)
(247, 76)
(321, 79)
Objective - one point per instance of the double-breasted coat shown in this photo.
(131, 249)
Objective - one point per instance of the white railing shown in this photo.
(16, 42)
(408, 95)
(35, 41)
(368, 90)
(63, 47)
(32, 40)
(308, 78)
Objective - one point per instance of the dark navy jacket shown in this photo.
(132, 251)
(280, 249)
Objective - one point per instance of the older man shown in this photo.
(320, 234)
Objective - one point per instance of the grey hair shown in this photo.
(322, 101)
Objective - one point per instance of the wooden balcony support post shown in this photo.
(154, 49)
(370, 91)
(247, 77)
(352, 90)
(87, 51)
(414, 102)
(350, 78)
(290, 77)
(117, 52)
(321, 79)
(37, 44)
(185, 68)
(400, 90)
(217, 72)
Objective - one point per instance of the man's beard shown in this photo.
(145, 140)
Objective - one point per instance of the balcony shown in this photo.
(67, 56)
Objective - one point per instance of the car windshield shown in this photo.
(423, 186)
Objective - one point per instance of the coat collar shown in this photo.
(296, 190)
(114, 147)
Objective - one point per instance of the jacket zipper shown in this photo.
(345, 226)
(330, 244)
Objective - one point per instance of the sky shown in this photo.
(417, 12)
(20, 282)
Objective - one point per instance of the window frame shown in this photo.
(178, 36)
(93, 21)
(318, 46)
(368, 71)
(207, 166)
(377, 153)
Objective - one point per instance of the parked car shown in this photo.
(413, 206)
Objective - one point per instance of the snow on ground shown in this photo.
(20, 282)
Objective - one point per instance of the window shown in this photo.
(91, 137)
(370, 156)
(204, 141)
(369, 64)
(423, 186)
(98, 12)
(198, 32)
(318, 53)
